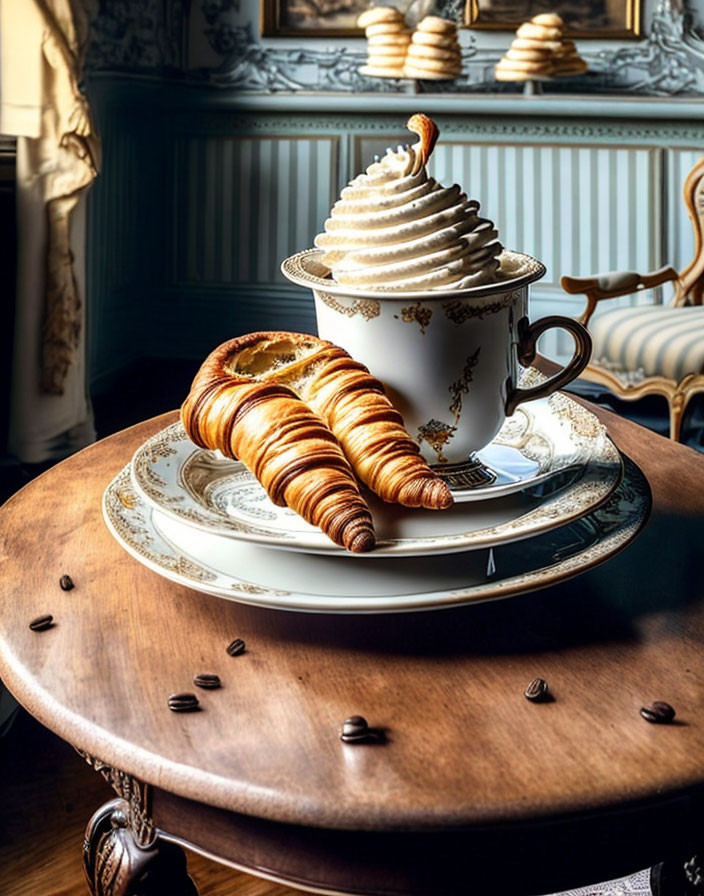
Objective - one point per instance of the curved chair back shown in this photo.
(691, 284)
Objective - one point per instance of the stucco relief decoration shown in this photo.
(148, 35)
(669, 62)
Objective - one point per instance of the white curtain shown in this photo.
(58, 156)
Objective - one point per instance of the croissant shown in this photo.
(302, 415)
(382, 454)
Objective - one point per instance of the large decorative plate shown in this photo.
(241, 571)
(221, 497)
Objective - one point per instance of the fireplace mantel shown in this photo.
(460, 105)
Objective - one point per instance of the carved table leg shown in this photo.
(117, 865)
(676, 877)
(694, 875)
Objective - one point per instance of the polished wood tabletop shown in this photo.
(463, 751)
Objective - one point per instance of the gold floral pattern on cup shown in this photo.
(416, 314)
(461, 386)
(458, 311)
(437, 434)
(368, 308)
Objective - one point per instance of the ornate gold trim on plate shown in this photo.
(124, 512)
(132, 525)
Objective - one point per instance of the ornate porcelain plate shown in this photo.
(221, 497)
(241, 571)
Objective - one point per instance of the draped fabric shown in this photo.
(58, 156)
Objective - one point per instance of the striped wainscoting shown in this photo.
(123, 247)
(243, 204)
(579, 209)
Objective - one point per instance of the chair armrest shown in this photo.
(614, 284)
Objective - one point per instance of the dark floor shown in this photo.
(48, 794)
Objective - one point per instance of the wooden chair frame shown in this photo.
(689, 290)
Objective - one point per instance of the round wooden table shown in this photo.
(475, 790)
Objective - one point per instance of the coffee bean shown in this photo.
(41, 623)
(537, 690)
(355, 730)
(183, 702)
(207, 680)
(66, 583)
(658, 712)
(354, 725)
(236, 647)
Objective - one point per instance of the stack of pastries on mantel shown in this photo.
(388, 39)
(540, 51)
(431, 52)
(310, 423)
(434, 53)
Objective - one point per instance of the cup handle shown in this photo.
(527, 338)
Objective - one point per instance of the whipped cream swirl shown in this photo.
(394, 227)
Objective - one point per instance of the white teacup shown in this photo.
(449, 360)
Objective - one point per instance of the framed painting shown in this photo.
(311, 18)
(589, 18)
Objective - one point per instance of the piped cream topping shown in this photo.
(395, 227)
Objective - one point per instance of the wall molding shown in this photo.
(509, 129)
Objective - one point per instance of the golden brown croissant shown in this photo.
(282, 441)
(382, 454)
(288, 405)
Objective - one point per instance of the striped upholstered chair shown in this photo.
(651, 349)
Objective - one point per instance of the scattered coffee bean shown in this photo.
(236, 647)
(207, 680)
(658, 712)
(183, 702)
(355, 730)
(537, 690)
(66, 583)
(41, 623)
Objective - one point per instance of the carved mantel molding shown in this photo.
(670, 62)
